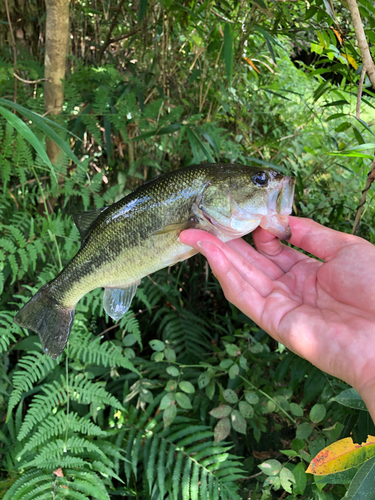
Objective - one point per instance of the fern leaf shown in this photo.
(177, 474)
(185, 485)
(194, 482)
(35, 367)
(25, 483)
(131, 325)
(151, 461)
(105, 354)
(57, 424)
(161, 467)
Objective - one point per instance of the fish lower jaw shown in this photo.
(278, 225)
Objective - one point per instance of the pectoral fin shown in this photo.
(179, 226)
(116, 301)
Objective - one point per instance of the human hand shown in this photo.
(322, 311)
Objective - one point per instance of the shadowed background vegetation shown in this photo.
(185, 397)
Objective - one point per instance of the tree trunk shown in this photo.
(57, 36)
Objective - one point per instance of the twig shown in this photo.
(14, 47)
(359, 95)
(28, 81)
(370, 180)
(126, 35)
(114, 20)
(368, 63)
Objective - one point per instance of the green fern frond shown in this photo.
(83, 392)
(8, 330)
(183, 456)
(87, 392)
(27, 482)
(95, 352)
(186, 331)
(56, 425)
(35, 367)
(131, 325)
(53, 452)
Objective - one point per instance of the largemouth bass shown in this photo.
(138, 235)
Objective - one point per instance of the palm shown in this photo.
(324, 312)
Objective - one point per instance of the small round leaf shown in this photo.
(230, 396)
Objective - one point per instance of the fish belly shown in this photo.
(130, 266)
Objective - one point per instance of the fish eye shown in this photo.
(260, 179)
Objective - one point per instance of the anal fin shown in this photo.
(116, 301)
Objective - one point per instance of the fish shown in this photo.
(138, 235)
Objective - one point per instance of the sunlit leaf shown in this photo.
(342, 455)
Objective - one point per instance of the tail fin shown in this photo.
(46, 316)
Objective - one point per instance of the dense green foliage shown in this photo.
(185, 396)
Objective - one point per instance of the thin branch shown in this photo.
(368, 63)
(370, 180)
(126, 35)
(359, 95)
(29, 81)
(113, 24)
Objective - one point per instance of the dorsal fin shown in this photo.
(84, 220)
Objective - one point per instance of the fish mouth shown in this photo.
(278, 222)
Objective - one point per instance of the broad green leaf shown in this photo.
(157, 345)
(317, 413)
(167, 400)
(304, 430)
(232, 350)
(169, 415)
(187, 387)
(296, 410)
(363, 485)
(43, 124)
(300, 478)
(170, 355)
(342, 455)
(271, 467)
(228, 51)
(251, 398)
(221, 411)
(173, 371)
(234, 370)
(210, 389)
(222, 430)
(230, 396)
(239, 423)
(183, 400)
(129, 340)
(29, 136)
(203, 380)
(286, 479)
(351, 399)
(246, 410)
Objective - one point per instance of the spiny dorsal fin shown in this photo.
(84, 220)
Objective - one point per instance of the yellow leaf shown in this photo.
(339, 37)
(351, 60)
(249, 61)
(341, 456)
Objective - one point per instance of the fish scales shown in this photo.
(138, 235)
